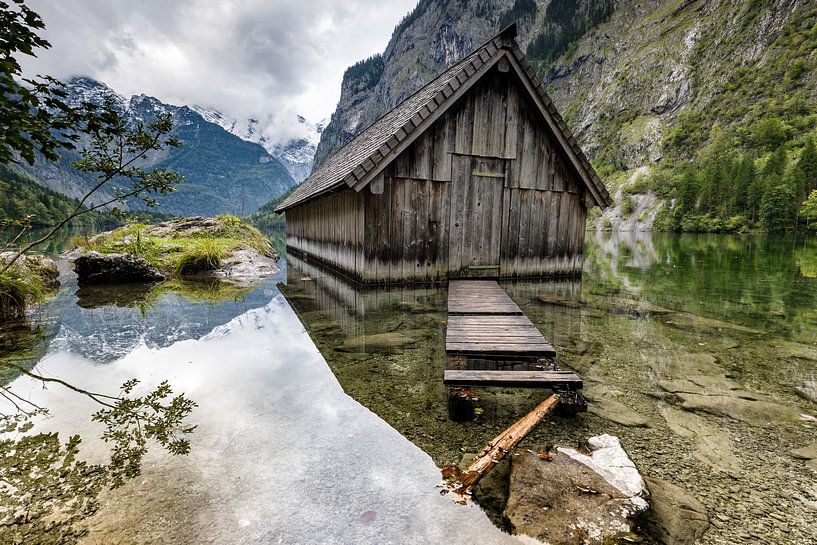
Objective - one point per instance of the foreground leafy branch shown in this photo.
(116, 156)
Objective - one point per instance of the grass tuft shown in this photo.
(17, 292)
(204, 255)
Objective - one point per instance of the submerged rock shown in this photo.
(380, 342)
(96, 268)
(604, 406)
(574, 497)
(712, 446)
(809, 452)
(808, 390)
(676, 517)
(698, 384)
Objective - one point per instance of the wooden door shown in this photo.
(476, 216)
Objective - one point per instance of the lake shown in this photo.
(322, 415)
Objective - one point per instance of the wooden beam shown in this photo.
(512, 379)
(504, 443)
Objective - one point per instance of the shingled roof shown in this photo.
(356, 163)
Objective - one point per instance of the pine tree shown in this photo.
(808, 163)
(744, 178)
(775, 167)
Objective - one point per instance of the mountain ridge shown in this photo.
(224, 173)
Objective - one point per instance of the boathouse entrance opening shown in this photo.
(475, 222)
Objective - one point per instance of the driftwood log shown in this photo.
(504, 443)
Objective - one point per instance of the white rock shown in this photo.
(609, 460)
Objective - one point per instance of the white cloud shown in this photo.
(253, 57)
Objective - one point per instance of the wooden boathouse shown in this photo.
(474, 175)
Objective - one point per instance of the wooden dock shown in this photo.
(491, 343)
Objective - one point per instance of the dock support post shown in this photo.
(461, 404)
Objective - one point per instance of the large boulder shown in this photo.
(570, 497)
(96, 268)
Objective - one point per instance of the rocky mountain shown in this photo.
(224, 173)
(648, 87)
(296, 154)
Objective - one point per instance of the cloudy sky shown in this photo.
(243, 57)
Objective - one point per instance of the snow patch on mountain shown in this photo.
(295, 153)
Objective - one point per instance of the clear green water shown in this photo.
(699, 352)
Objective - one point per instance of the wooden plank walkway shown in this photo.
(484, 321)
(489, 342)
(479, 297)
(495, 335)
(512, 379)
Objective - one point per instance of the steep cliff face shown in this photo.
(629, 76)
(435, 35)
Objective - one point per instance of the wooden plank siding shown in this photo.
(422, 220)
(330, 229)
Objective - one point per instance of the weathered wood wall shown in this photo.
(487, 179)
(330, 228)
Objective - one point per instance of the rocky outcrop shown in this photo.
(222, 247)
(568, 496)
(96, 268)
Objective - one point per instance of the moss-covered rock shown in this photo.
(222, 247)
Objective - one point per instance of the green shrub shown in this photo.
(628, 206)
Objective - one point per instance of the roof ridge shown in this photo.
(294, 197)
(353, 163)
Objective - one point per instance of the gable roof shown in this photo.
(365, 156)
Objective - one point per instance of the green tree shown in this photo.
(33, 115)
(808, 163)
(808, 209)
(776, 209)
(769, 132)
(775, 166)
(744, 178)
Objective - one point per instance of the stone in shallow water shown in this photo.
(576, 498)
(604, 406)
(808, 390)
(699, 384)
(380, 342)
(755, 412)
(712, 446)
(676, 517)
(809, 452)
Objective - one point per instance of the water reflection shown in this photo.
(698, 351)
(281, 453)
